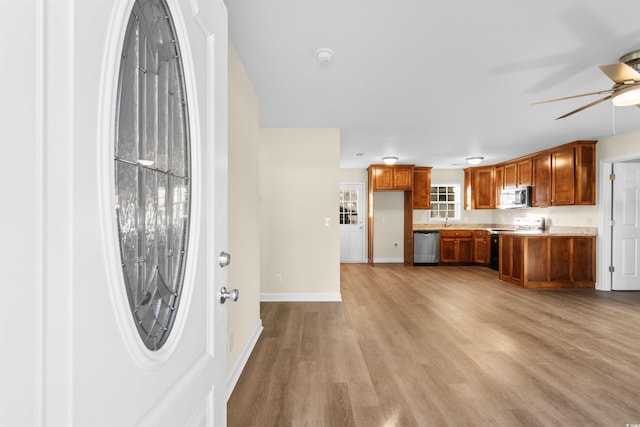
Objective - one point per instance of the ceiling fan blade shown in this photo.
(620, 72)
(584, 107)
(600, 92)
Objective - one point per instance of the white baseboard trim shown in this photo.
(388, 260)
(321, 297)
(234, 375)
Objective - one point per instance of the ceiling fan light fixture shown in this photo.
(390, 160)
(627, 96)
(474, 160)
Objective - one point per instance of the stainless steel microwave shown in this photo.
(511, 198)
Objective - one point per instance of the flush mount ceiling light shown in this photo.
(627, 96)
(389, 160)
(474, 160)
(324, 54)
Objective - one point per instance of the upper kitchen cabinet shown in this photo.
(510, 179)
(421, 187)
(565, 175)
(391, 177)
(480, 188)
(517, 173)
(541, 194)
(524, 172)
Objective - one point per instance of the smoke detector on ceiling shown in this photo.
(324, 54)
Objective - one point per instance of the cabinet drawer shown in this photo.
(481, 234)
(455, 233)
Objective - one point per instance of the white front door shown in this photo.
(70, 353)
(626, 231)
(352, 218)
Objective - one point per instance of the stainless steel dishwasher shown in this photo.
(426, 247)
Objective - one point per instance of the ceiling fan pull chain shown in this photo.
(613, 119)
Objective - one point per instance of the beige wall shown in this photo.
(299, 183)
(244, 206)
(620, 147)
(388, 226)
(354, 175)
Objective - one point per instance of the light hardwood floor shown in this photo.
(431, 346)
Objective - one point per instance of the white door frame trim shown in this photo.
(605, 195)
(363, 206)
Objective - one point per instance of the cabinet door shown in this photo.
(585, 174)
(447, 250)
(541, 166)
(510, 175)
(421, 188)
(524, 173)
(517, 260)
(481, 250)
(583, 259)
(562, 177)
(484, 188)
(403, 178)
(499, 183)
(382, 179)
(468, 187)
(464, 249)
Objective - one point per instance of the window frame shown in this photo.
(457, 202)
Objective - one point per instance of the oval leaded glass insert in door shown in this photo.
(152, 170)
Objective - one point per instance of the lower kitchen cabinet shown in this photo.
(481, 247)
(547, 262)
(456, 246)
(511, 258)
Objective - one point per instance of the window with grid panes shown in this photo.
(445, 201)
(348, 206)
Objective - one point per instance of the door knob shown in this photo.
(226, 294)
(224, 259)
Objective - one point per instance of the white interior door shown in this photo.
(352, 216)
(626, 231)
(70, 352)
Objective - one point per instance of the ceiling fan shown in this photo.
(626, 88)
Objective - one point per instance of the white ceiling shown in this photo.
(436, 81)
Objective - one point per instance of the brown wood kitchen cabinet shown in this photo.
(510, 175)
(481, 247)
(510, 267)
(421, 187)
(541, 190)
(480, 188)
(456, 246)
(547, 262)
(391, 177)
(524, 176)
(565, 175)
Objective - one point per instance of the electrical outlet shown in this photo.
(278, 278)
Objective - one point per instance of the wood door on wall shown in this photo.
(71, 353)
(625, 238)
